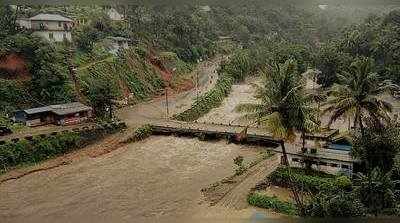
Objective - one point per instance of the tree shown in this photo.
(284, 107)
(376, 191)
(357, 93)
(338, 204)
(330, 61)
(377, 147)
(101, 94)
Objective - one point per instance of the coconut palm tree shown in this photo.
(283, 107)
(357, 93)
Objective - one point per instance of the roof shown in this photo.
(69, 108)
(37, 110)
(50, 17)
(62, 109)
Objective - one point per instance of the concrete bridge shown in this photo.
(328, 158)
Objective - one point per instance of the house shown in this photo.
(329, 153)
(62, 114)
(114, 15)
(115, 44)
(53, 27)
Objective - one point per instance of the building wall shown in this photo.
(328, 166)
(51, 25)
(57, 36)
(114, 15)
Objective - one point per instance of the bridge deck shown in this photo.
(253, 135)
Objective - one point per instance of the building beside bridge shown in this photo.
(62, 114)
(331, 154)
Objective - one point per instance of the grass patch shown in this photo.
(263, 201)
(306, 180)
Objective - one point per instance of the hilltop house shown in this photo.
(115, 15)
(53, 27)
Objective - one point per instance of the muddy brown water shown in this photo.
(158, 178)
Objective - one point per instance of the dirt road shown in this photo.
(156, 108)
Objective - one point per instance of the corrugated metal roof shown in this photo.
(62, 109)
(50, 17)
(69, 108)
(37, 110)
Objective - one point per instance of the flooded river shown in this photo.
(158, 178)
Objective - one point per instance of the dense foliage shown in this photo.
(264, 201)
(377, 37)
(41, 148)
(24, 151)
(357, 94)
(378, 147)
(311, 181)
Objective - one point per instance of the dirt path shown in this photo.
(237, 197)
(156, 108)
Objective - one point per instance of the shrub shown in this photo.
(312, 181)
(204, 103)
(238, 161)
(39, 149)
(141, 133)
(338, 204)
(23, 151)
(273, 203)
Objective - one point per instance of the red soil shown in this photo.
(15, 66)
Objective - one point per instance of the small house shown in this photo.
(62, 114)
(53, 27)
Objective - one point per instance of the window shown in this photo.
(59, 24)
(345, 166)
(51, 35)
(64, 36)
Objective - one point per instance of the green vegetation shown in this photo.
(338, 196)
(25, 152)
(334, 205)
(141, 133)
(234, 70)
(41, 148)
(357, 93)
(240, 168)
(312, 181)
(204, 103)
(378, 147)
(263, 201)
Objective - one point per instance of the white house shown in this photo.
(53, 27)
(115, 15)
